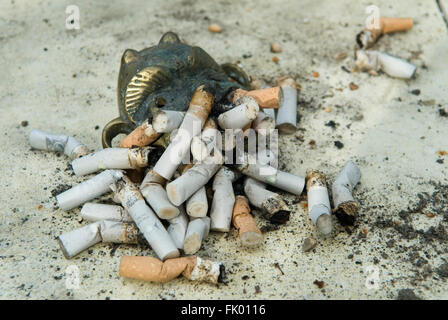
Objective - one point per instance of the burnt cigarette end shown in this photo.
(280, 217)
(315, 178)
(222, 273)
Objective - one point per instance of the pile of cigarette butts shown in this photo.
(371, 60)
(169, 207)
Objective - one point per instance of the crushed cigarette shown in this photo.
(99, 211)
(240, 116)
(368, 37)
(197, 113)
(203, 145)
(270, 175)
(88, 190)
(271, 203)
(197, 231)
(319, 208)
(286, 121)
(142, 136)
(266, 98)
(346, 207)
(180, 189)
(242, 220)
(197, 204)
(367, 60)
(78, 240)
(223, 200)
(71, 147)
(145, 219)
(153, 190)
(151, 269)
(178, 227)
(111, 158)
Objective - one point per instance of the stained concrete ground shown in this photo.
(64, 81)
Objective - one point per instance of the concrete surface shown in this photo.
(64, 82)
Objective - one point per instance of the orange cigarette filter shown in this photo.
(242, 220)
(266, 98)
(389, 25)
(142, 136)
(152, 269)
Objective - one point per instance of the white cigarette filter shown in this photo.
(167, 120)
(264, 123)
(197, 204)
(346, 207)
(270, 175)
(111, 158)
(240, 116)
(197, 231)
(368, 60)
(194, 178)
(286, 120)
(99, 211)
(271, 203)
(178, 227)
(71, 147)
(153, 189)
(203, 145)
(223, 200)
(198, 111)
(145, 219)
(88, 190)
(319, 209)
(151, 269)
(78, 240)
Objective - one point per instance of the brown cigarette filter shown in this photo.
(266, 98)
(152, 269)
(142, 136)
(389, 25)
(242, 220)
(201, 104)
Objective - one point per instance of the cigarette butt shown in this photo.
(319, 209)
(142, 136)
(152, 269)
(242, 220)
(389, 25)
(71, 147)
(266, 98)
(346, 207)
(197, 113)
(241, 116)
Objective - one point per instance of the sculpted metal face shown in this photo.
(165, 76)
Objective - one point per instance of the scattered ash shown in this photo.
(407, 294)
(59, 189)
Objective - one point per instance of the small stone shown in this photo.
(341, 55)
(327, 109)
(315, 74)
(353, 86)
(319, 284)
(276, 47)
(275, 59)
(24, 123)
(339, 144)
(309, 244)
(416, 92)
(214, 28)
